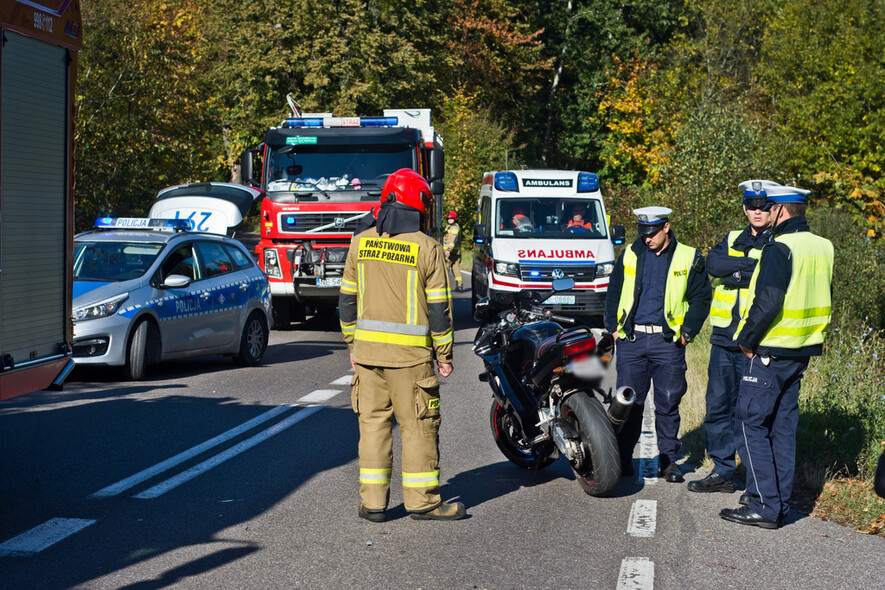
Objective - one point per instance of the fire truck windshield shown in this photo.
(335, 167)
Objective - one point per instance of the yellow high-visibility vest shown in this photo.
(675, 305)
(805, 316)
(725, 298)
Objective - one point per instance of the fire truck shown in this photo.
(322, 175)
(38, 66)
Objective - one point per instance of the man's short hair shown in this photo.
(795, 209)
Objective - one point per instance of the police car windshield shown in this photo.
(113, 261)
(550, 218)
(335, 167)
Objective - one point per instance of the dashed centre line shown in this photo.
(637, 573)
(643, 518)
(42, 536)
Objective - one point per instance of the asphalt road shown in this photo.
(167, 483)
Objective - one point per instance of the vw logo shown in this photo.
(557, 273)
(339, 222)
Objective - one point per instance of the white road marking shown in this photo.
(42, 536)
(185, 476)
(643, 516)
(141, 476)
(342, 380)
(637, 573)
(319, 396)
(648, 447)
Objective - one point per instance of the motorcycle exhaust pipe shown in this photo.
(620, 406)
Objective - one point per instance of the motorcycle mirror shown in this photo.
(563, 285)
(479, 312)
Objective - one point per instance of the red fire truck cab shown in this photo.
(321, 175)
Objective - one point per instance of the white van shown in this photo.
(534, 226)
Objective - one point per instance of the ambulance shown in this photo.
(536, 226)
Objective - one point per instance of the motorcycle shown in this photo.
(546, 381)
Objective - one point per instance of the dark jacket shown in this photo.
(698, 293)
(775, 274)
(735, 272)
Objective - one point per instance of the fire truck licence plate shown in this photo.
(333, 282)
(561, 300)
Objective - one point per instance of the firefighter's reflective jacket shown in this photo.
(395, 304)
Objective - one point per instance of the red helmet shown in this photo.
(409, 188)
(452, 214)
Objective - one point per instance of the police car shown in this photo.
(152, 289)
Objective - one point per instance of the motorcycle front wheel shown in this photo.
(600, 470)
(507, 437)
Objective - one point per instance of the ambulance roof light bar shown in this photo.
(155, 224)
(340, 122)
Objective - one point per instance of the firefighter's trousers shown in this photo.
(454, 262)
(411, 394)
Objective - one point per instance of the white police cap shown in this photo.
(757, 188)
(651, 217)
(786, 194)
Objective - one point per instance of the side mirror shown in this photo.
(175, 282)
(480, 234)
(247, 166)
(479, 312)
(619, 235)
(438, 187)
(437, 168)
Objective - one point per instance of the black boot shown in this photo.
(712, 483)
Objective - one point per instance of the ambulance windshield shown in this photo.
(339, 167)
(113, 261)
(550, 218)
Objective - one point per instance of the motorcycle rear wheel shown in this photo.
(518, 453)
(600, 472)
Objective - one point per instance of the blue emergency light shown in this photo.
(587, 182)
(341, 122)
(535, 273)
(506, 181)
(144, 223)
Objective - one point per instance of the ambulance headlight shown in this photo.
(604, 270)
(507, 268)
(102, 309)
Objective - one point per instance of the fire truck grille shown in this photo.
(546, 273)
(302, 222)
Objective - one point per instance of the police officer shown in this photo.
(658, 298)
(396, 316)
(452, 248)
(732, 261)
(788, 317)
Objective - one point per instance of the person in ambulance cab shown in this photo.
(520, 220)
(395, 309)
(577, 221)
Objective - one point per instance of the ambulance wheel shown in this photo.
(509, 440)
(600, 469)
(140, 351)
(474, 299)
(253, 342)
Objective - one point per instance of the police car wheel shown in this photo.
(253, 342)
(600, 471)
(136, 361)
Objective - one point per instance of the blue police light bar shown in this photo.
(506, 181)
(587, 182)
(144, 223)
(341, 122)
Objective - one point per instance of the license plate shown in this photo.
(561, 300)
(333, 282)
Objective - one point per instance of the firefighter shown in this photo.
(396, 317)
(732, 261)
(658, 299)
(452, 248)
(788, 317)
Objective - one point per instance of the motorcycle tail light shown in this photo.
(582, 346)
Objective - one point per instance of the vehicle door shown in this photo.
(482, 250)
(226, 287)
(182, 311)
